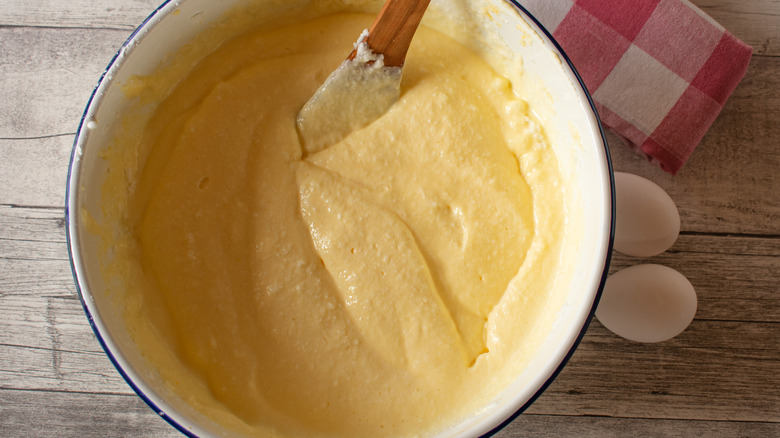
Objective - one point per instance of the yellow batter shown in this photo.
(385, 286)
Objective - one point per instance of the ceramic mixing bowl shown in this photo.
(572, 120)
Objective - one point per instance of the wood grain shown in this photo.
(718, 378)
(736, 278)
(64, 415)
(89, 14)
(533, 425)
(47, 76)
(128, 417)
(393, 29)
(752, 21)
(714, 370)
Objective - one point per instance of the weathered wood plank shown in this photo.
(120, 415)
(41, 225)
(735, 278)
(46, 413)
(33, 253)
(30, 368)
(533, 425)
(47, 76)
(749, 21)
(118, 14)
(43, 278)
(33, 173)
(51, 323)
(712, 371)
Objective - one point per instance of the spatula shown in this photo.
(367, 83)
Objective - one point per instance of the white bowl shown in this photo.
(574, 126)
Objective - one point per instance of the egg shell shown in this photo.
(647, 222)
(647, 303)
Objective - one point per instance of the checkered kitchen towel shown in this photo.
(659, 70)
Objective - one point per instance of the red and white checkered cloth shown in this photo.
(658, 70)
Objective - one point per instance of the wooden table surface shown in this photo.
(721, 377)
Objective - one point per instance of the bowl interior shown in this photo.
(571, 123)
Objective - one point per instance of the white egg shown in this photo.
(647, 303)
(647, 222)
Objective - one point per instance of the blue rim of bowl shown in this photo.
(69, 223)
(608, 256)
(103, 344)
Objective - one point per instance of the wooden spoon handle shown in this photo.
(393, 29)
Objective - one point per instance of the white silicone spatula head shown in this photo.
(367, 83)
